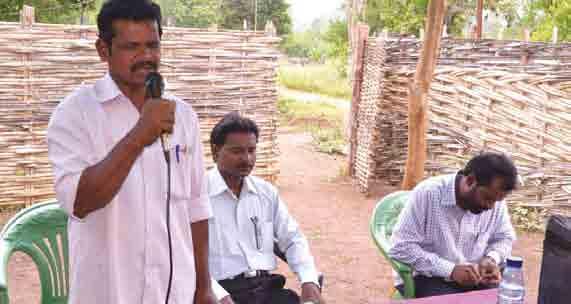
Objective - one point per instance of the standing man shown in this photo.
(249, 217)
(111, 174)
(455, 230)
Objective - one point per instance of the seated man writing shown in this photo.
(249, 217)
(455, 229)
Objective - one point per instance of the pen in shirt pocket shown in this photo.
(177, 153)
(256, 232)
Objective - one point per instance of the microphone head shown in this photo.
(154, 85)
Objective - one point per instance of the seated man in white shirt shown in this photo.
(249, 217)
(456, 230)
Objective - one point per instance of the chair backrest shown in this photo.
(384, 218)
(41, 232)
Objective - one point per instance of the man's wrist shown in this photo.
(494, 256)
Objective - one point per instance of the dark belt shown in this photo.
(249, 274)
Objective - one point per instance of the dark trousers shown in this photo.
(428, 287)
(267, 289)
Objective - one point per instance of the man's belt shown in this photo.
(250, 274)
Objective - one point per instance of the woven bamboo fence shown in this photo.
(509, 97)
(215, 71)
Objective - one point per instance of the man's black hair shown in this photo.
(134, 10)
(231, 123)
(488, 165)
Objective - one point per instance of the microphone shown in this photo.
(154, 86)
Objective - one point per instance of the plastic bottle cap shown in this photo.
(515, 262)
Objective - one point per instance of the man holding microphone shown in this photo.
(111, 175)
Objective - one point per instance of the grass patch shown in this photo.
(322, 120)
(321, 79)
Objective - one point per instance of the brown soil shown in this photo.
(334, 217)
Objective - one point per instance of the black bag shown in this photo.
(554, 281)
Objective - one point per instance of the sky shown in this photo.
(303, 12)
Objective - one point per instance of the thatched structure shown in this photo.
(506, 96)
(215, 71)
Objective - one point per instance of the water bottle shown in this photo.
(512, 289)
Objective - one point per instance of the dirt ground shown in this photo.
(334, 217)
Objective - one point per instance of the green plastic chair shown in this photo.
(41, 232)
(383, 220)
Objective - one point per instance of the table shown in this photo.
(489, 296)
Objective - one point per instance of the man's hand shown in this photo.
(205, 296)
(157, 117)
(311, 292)
(466, 275)
(226, 300)
(489, 271)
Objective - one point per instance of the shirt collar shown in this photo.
(449, 195)
(106, 89)
(217, 184)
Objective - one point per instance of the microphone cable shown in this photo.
(154, 86)
(168, 161)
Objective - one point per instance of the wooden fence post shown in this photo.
(27, 19)
(27, 16)
(479, 19)
(525, 54)
(362, 34)
(418, 93)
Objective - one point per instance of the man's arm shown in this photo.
(292, 241)
(98, 184)
(501, 241)
(409, 235)
(200, 243)
(92, 186)
(200, 211)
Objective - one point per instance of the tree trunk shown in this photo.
(417, 103)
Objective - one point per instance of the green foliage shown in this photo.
(405, 16)
(528, 218)
(306, 44)
(322, 120)
(293, 110)
(337, 38)
(277, 12)
(195, 13)
(48, 11)
(331, 43)
(320, 79)
(408, 16)
(544, 15)
(234, 12)
(328, 140)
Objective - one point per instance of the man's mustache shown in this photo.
(144, 64)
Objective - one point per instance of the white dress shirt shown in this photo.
(433, 234)
(119, 254)
(233, 248)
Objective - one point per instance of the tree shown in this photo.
(48, 11)
(195, 13)
(277, 12)
(337, 38)
(234, 12)
(543, 15)
(407, 16)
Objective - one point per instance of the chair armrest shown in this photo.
(405, 272)
(4, 256)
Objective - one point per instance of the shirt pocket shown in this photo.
(267, 237)
(180, 173)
